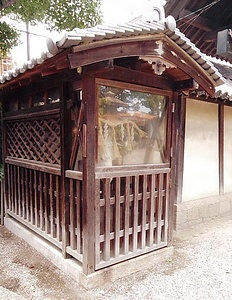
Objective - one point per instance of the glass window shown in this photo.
(131, 127)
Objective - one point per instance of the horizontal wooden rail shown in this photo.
(129, 172)
(73, 174)
(33, 165)
(21, 114)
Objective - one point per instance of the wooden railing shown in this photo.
(131, 214)
(74, 207)
(34, 199)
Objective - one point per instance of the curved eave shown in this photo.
(87, 40)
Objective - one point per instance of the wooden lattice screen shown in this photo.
(37, 140)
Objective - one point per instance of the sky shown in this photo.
(114, 12)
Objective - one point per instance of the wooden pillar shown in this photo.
(64, 166)
(221, 147)
(173, 163)
(89, 154)
(180, 142)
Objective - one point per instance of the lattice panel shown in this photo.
(37, 140)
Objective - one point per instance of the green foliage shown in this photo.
(57, 14)
(9, 38)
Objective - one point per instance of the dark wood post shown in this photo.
(172, 195)
(180, 141)
(89, 154)
(221, 147)
(64, 166)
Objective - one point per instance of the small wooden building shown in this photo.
(91, 132)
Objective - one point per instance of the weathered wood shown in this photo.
(138, 221)
(117, 218)
(179, 136)
(221, 146)
(189, 66)
(175, 178)
(64, 167)
(72, 213)
(89, 176)
(135, 77)
(37, 166)
(134, 46)
(36, 199)
(74, 174)
(58, 210)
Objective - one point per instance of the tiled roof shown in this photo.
(102, 33)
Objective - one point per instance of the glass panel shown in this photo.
(201, 169)
(132, 127)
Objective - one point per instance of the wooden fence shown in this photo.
(131, 214)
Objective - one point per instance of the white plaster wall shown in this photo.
(228, 150)
(200, 177)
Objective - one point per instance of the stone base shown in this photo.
(201, 210)
(73, 269)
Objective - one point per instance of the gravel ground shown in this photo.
(201, 268)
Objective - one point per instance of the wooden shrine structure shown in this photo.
(90, 135)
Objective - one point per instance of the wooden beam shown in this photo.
(107, 51)
(189, 66)
(134, 76)
(189, 84)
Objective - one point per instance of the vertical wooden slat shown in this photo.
(52, 205)
(27, 196)
(72, 214)
(31, 197)
(8, 192)
(126, 215)
(23, 183)
(166, 208)
(107, 219)
(78, 215)
(135, 214)
(144, 212)
(14, 187)
(46, 203)
(36, 199)
(117, 218)
(19, 192)
(98, 222)
(159, 208)
(58, 209)
(151, 211)
(41, 202)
